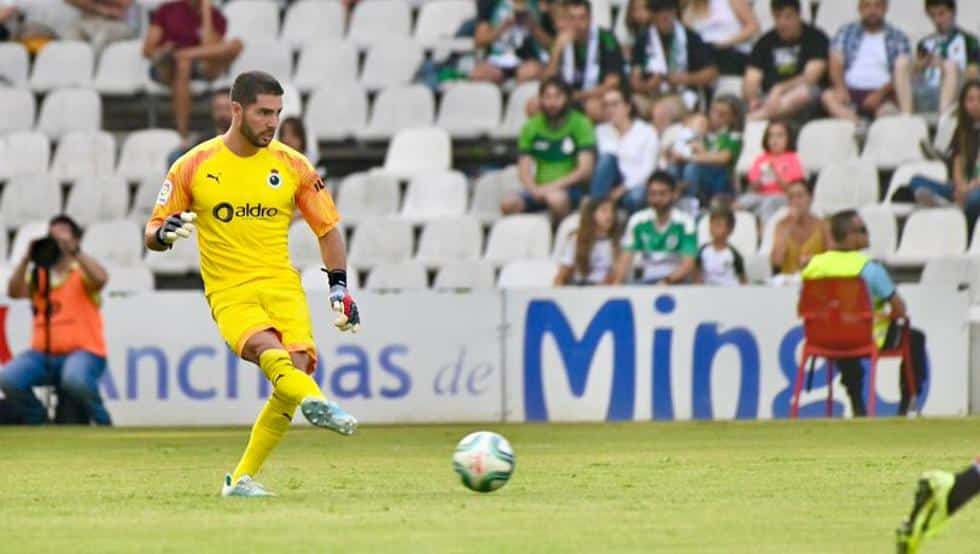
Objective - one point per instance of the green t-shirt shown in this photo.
(662, 248)
(555, 151)
(730, 141)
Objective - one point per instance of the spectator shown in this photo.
(589, 258)
(663, 236)
(104, 21)
(869, 67)
(846, 260)
(787, 66)
(798, 237)
(772, 172)
(511, 35)
(558, 146)
(220, 115)
(718, 262)
(670, 61)
(292, 133)
(637, 22)
(628, 152)
(709, 169)
(68, 346)
(8, 15)
(586, 57)
(728, 26)
(943, 58)
(965, 163)
(186, 41)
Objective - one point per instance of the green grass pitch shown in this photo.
(760, 487)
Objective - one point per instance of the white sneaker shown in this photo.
(246, 486)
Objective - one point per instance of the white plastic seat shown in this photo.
(911, 18)
(730, 85)
(390, 61)
(304, 248)
(769, 230)
(934, 170)
(147, 192)
(830, 19)
(564, 234)
(882, 230)
(23, 153)
(397, 108)
(751, 145)
(313, 278)
(602, 13)
(408, 275)
(248, 19)
(14, 64)
(435, 195)
(379, 20)
(26, 233)
(124, 280)
(81, 154)
(514, 114)
(30, 198)
(470, 110)
(145, 152)
(183, 258)
(975, 241)
(528, 274)
(824, 141)
(117, 242)
(336, 111)
(122, 69)
(952, 272)
(307, 21)
(17, 109)
(449, 240)
(745, 235)
(894, 140)
(465, 275)
(364, 195)
(519, 237)
(758, 268)
(489, 191)
(63, 63)
(71, 109)
(845, 185)
(930, 234)
(418, 150)
(98, 198)
(269, 55)
(380, 240)
(945, 129)
(440, 19)
(327, 61)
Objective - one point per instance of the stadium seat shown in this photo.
(304, 248)
(470, 110)
(830, 19)
(407, 275)
(314, 279)
(24, 153)
(327, 61)
(4, 276)
(29, 198)
(399, 107)
(183, 258)
(17, 109)
(950, 272)
(379, 240)
(464, 275)
(824, 141)
(751, 145)
(730, 85)
(440, 19)
(519, 237)
(364, 195)
(145, 152)
(975, 242)
(930, 234)
(336, 111)
(118, 241)
(98, 198)
(935, 170)
(489, 190)
(418, 150)
(769, 230)
(435, 195)
(390, 62)
(292, 101)
(515, 115)
(248, 19)
(378, 21)
(911, 18)
(565, 233)
(945, 129)
(81, 154)
(602, 12)
(449, 240)
(882, 230)
(127, 280)
(745, 236)
(71, 109)
(894, 140)
(122, 69)
(312, 20)
(520, 274)
(845, 185)
(758, 268)
(13, 65)
(147, 192)
(264, 54)
(25, 235)
(63, 63)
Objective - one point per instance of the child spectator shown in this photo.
(709, 166)
(589, 258)
(772, 172)
(719, 263)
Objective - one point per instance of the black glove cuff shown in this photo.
(336, 276)
(159, 237)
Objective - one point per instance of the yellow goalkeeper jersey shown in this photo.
(244, 207)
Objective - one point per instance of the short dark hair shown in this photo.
(298, 127)
(556, 82)
(840, 224)
(221, 90)
(723, 213)
(663, 5)
(790, 135)
(661, 176)
(65, 219)
(578, 3)
(951, 4)
(249, 85)
(777, 5)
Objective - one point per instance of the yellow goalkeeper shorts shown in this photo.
(280, 306)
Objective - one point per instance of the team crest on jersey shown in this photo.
(165, 191)
(274, 180)
(672, 242)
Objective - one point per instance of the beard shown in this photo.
(254, 138)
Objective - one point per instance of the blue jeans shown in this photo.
(945, 190)
(76, 374)
(706, 181)
(606, 177)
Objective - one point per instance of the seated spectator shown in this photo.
(708, 170)
(718, 263)
(513, 39)
(220, 115)
(628, 152)
(637, 22)
(771, 174)
(798, 237)
(590, 253)
(787, 66)
(943, 58)
(869, 67)
(292, 133)
(728, 26)
(186, 41)
(661, 235)
(104, 21)
(586, 57)
(670, 62)
(557, 153)
(8, 15)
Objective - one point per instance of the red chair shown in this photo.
(838, 322)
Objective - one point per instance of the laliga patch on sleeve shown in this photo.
(165, 191)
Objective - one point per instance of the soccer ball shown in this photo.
(484, 461)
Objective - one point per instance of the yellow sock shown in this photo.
(267, 431)
(291, 384)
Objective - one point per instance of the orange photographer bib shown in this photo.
(76, 323)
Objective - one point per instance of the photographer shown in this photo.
(68, 347)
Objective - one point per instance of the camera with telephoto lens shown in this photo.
(45, 252)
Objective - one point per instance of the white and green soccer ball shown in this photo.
(484, 461)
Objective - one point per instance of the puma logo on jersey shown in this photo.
(217, 179)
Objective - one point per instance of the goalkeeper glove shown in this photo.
(177, 226)
(349, 318)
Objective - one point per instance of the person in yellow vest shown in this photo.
(73, 357)
(845, 259)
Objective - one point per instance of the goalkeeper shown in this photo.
(242, 188)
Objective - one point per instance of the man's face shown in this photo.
(660, 196)
(788, 24)
(857, 238)
(579, 22)
(553, 102)
(221, 112)
(873, 12)
(664, 20)
(942, 17)
(260, 120)
(62, 233)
